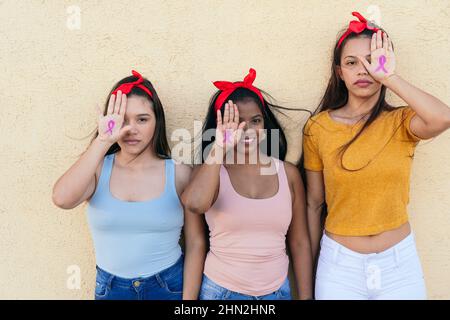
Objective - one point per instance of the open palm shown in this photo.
(229, 130)
(382, 57)
(110, 125)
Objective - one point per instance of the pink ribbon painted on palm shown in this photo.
(382, 62)
(227, 136)
(111, 125)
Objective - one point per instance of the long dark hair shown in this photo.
(335, 97)
(159, 142)
(336, 94)
(270, 121)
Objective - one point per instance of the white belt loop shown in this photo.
(336, 252)
(397, 256)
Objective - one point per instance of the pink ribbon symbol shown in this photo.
(111, 125)
(227, 136)
(381, 61)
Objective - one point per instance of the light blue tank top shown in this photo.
(135, 239)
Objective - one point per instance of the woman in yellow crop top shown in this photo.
(357, 154)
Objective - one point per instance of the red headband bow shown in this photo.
(229, 87)
(127, 87)
(356, 27)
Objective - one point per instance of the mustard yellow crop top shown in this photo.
(372, 195)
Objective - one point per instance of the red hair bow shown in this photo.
(357, 27)
(228, 88)
(127, 87)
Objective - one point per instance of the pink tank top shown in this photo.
(248, 238)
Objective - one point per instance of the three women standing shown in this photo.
(357, 155)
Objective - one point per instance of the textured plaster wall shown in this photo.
(51, 77)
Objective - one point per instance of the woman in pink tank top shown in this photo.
(252, 200)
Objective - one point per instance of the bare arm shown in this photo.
(298, 236)
(78, 183)
(195, 254)
(432, 115)
(201, 193)
(195, 241)
(315, 198)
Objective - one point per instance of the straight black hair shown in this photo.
(159, 142)
(270, 121)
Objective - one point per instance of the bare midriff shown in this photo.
(374, 243)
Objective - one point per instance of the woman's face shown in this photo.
(357, 80)
(140, 117)
(254, 124)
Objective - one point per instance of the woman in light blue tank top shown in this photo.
(134, 212)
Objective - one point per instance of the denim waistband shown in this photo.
(154, 279)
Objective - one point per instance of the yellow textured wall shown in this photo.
(52, 75)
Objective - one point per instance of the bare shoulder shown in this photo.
(292, 172)
(183, 172)
(294, 179)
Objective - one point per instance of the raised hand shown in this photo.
(229, 130)
(110, 125)
(382, 58)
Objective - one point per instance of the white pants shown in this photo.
(394, 274)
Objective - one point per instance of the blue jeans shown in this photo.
(212, 291)
(165, 285)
